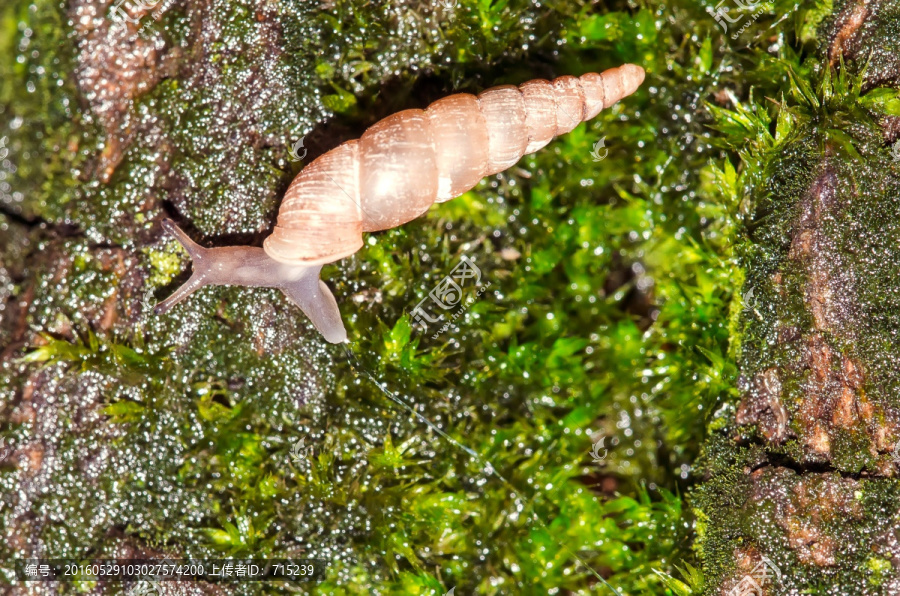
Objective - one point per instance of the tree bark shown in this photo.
(801, 482)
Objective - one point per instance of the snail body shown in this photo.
(393, 174)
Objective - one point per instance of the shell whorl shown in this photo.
(404, 163)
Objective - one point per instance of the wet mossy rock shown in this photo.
(803, 464)
(723, 277)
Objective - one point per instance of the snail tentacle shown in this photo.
(318, 303)
(198, 277)
(251, 266)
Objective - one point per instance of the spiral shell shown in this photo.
(404, 163)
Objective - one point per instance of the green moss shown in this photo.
(879, 569)
(615, 306)
(165, 265)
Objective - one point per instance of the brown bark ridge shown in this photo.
(802, 493)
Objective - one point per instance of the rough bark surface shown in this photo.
(805, 476)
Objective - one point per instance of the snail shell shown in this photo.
(406, 162)
(393, 174)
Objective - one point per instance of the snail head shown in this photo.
(250, 266)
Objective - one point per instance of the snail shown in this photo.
(393, 174)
